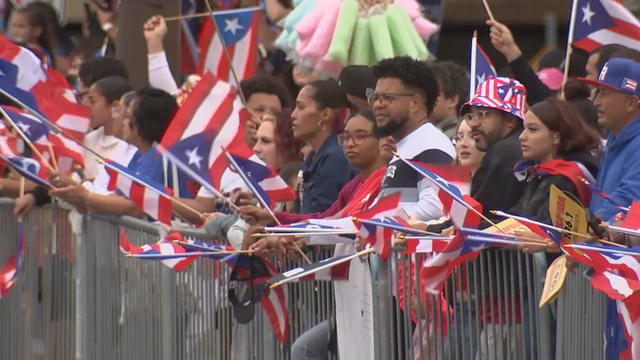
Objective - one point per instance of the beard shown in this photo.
(390, 128)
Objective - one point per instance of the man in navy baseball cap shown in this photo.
(618, 84)
(618, 89)
(618, 103)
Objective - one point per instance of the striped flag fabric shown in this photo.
(11, 269)
(213, 107)
(267, 183)
(601, 22)
(165, 246)
(618, 276)
(274, 304)
(380, 237)
(154, 199)
(453, 182)
(29, 70)
(239, 30)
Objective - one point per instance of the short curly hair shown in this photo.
(266, 85)
(413, 73)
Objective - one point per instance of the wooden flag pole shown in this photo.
(488, 10)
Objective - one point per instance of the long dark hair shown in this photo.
(562, 117)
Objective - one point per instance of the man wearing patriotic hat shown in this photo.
(495, 115)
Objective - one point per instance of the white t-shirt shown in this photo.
(122, 153)
(100, 143)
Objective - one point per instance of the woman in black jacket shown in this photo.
(557, 149)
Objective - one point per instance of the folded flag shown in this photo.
(165, 246)
(152, 198)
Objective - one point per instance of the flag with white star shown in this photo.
(239, 32)
(601, 22)
(484, 66)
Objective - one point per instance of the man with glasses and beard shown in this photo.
(495, 115)
(405, 95)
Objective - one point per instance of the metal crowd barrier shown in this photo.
(77, 297)
(488, 309)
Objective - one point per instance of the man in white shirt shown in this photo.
(404, 97)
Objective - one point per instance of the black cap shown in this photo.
(356, 79)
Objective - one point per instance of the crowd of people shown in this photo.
(341, 143)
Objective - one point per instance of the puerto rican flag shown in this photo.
(632, 220)
(453, 183)
(212, 109)
(380, 237)
(166, 246)
(264, 182)
(28, 70)
(274, 304)
(11, 269)
(153, 199)
(618, 276)
(35, 130)
(239, 30)
(601, 22)
(480, 66)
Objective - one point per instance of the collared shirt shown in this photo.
(324, 173)
(418, 196)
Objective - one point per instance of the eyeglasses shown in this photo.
(471, 116)
(358, 137)
(385, 98)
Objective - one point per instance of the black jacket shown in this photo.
(494, 184)
(537, 91)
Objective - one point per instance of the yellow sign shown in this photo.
(554, 280)
(508, 226)
(567, 214)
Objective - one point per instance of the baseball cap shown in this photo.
(500, 93)
(356, 79)
(618, 74)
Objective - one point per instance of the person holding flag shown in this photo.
(151, 111)
(553, 154)
(402, 102)
(619, 111)
(503, 41)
